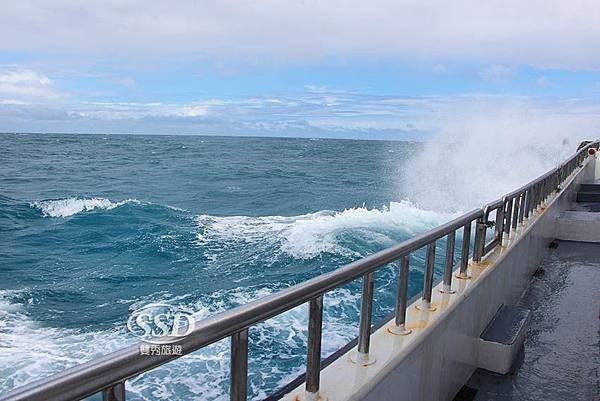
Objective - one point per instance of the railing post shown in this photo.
(428, 279)
(537, 190)
(239, 366)
(362, 357)
(313, 359)
(508, 204)
(464, 252)
(401, 300)
(499, 230)
(480, 227)
(516, 208)
(528, 203)
(114, 393)
(522, 207)
(449, 264)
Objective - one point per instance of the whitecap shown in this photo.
(309, 235)
(70, 206)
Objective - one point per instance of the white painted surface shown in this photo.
(578, 226)
(440, 355)
(500, 357)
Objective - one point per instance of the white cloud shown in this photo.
(127, 82)
(198, 109)
(12, 101)
(497, 73)
(543, 82)
(555, 33)
(317, 114)
(26, 86)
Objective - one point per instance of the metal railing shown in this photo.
(109, 373)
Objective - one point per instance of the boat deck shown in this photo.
(561, 358)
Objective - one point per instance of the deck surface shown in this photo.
(561, 358)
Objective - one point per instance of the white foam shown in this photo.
(29, 351)
(309, 235)
(70, 206)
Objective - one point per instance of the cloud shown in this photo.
(543, 82)
(21, 86)
(127, 82)
(497, 74)
(555, 34)
(322, 114)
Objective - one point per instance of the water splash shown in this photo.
(486, 150)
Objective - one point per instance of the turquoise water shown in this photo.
(93, 227)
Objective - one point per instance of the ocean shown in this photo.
(93, 227)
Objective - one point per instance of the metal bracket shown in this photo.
(487, 224)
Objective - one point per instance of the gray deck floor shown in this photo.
(561, 358)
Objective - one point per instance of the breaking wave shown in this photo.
(71, 206)
(306, 236)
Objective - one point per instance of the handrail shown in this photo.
(109, 373)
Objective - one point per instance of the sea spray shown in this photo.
(485, 149)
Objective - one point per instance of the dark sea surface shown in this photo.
(93, 227)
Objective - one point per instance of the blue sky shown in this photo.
(379, 69)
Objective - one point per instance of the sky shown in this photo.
(346, 69)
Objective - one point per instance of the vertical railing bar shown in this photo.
(528, 203)
(428, 279)
(402, 298)
(464, 253)
(364, 334)
(313, 359)
(532, 204)
(114, 393)
(450, 241)
(480, 228)
(515, 217)
(239, 366)
(543, 191)
(500, 223)
(523, 207)
(508, 217)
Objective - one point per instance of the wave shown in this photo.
(306, 236)
(71, 206)
(29, 351)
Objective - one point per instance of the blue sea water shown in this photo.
(93, 227)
